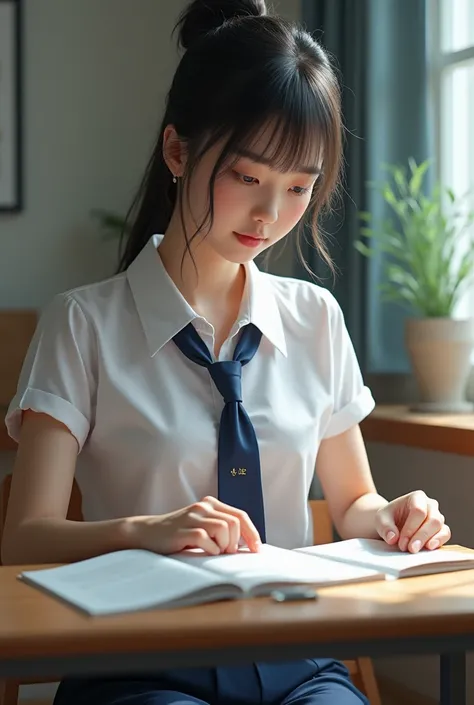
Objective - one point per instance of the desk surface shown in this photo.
(33, 624)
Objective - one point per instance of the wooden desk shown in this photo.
(40, 636)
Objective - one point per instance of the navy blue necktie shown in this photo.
(238, 462)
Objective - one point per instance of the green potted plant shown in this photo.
(428, 245)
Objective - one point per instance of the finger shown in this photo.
(433, 523)
(217, 529)
(442, 537)
(431, 539)
(386, 527)
(196, 537)
(232, 536)
(417, 513)
(211, 507)
(234, 532)
(248, 530)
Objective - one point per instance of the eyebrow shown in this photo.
(259, 159)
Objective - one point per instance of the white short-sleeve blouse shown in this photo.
(146, 418)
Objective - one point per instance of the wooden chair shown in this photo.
(361, 669)
(16, 330)
(9, 689)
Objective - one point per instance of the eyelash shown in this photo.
(240, 177)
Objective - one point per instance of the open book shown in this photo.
(132, 580)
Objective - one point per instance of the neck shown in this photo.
(206, 282)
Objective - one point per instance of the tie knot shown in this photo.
(227, 377)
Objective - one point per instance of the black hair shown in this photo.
(241, 70)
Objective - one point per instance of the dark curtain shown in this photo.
(379, 49)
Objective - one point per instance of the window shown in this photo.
(451, 60)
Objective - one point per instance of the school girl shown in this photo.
(200, 393)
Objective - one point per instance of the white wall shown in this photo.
(94, 78)
(95, 74)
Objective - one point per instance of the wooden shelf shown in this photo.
(397, 425)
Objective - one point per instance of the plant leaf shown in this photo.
(421, 241)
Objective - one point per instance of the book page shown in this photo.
(273, 566)
(378, 555)
(124, 581)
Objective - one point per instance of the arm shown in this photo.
(36, 529)
(412, 521)
(343, 469)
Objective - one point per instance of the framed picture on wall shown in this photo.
(11, 191)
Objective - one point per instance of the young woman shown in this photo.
(200, 392)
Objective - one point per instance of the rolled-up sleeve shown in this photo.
(352, 399)
(58, 376)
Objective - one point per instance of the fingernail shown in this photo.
(391, 535)
(415, 547)
(433, 544)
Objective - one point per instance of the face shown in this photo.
(255, 205)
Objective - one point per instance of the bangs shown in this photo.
(253, 86)
(288, 127)
(284, 144)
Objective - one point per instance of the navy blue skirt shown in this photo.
(305, 682)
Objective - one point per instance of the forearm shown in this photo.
(49, 540)
(359, 519)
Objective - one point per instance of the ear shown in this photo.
(174, 151)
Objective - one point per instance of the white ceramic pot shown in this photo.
(440, 353)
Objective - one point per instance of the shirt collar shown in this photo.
(264, 310)
(164, 311)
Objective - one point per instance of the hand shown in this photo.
(414, 522)
(209, 524)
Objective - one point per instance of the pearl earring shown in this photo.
(174, 179)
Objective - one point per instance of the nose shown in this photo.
(265, 210)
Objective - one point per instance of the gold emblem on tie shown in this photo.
(233, 472)
(241, 471)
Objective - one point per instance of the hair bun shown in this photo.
(202, 16)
